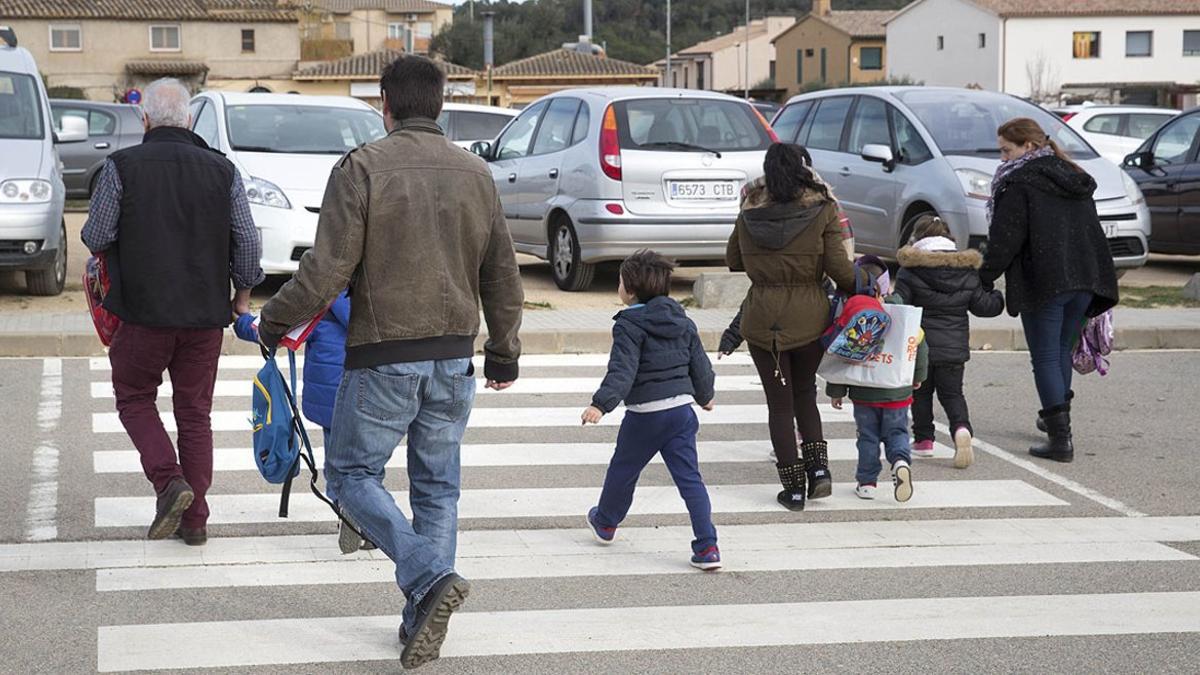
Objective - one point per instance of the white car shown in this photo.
(1114, 130)
(465, 124)
(284, 146)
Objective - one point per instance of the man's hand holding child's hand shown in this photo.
(592, 415)
(708, 406)
(836, 403)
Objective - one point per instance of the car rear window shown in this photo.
(20, 107)
(690, 125)
(301, 129)
(478, 126)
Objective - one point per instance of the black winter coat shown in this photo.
(656, 354)
(1046, 238)
(946, 286)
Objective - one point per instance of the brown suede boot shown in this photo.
(169, 509)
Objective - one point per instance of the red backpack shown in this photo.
(857, 333)
(95, 287)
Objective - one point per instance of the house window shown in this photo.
(425, 29)
(800, 66)
(1087, 45)
(341, 30)
(164, 38)
(823, 64)
(941, 42)
(699, 75)
(771, 70)
(1139, 43)
(982, 40)
(808, 53)
(395, 31)
(870, 58)
(248, 40)
(1191, 43)
(66, 38)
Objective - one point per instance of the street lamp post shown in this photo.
(667, 70)
(747, 48)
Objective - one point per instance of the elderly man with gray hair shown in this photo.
(172, 219)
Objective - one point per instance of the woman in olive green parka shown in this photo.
(787, 239)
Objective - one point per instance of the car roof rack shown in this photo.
(9, 36)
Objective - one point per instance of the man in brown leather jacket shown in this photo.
(413, 226)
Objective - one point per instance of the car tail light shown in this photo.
(1066, 117)
(610, 145)
(766, 125)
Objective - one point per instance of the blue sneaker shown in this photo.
(603, 535)
(709, 559)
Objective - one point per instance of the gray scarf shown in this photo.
(1007, 168)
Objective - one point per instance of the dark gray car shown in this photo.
(111, 127)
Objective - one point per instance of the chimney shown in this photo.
(489, 39)
(822, 7)
(587, 19)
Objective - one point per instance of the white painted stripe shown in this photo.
(512, 454)
(625, 562)
(229, 644)
(559, 502)
(530, 385)
(41, 522)
(236, 420)
(739, 539)
(595, 360)
(1046, 474)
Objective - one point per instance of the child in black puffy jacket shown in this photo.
(943, 281)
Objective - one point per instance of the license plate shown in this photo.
(700, 190)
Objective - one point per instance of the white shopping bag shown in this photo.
(890, 369)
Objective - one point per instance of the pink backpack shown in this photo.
(1095, 343)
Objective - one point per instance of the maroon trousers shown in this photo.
(139, 355)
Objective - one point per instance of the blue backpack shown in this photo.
(280, 439)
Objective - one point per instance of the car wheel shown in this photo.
(50, 280)
(906, 232)
(570, 274)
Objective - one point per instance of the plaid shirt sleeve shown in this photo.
(100, 230)
(246, 244)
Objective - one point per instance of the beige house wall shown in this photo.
(857, 74)
(99, 66)
(815, 35)
(724, 68)
(369, 28)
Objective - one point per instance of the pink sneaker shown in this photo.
(922, 449)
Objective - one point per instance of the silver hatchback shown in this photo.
(895, 153)
(591, 175)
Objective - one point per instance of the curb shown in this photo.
(33, 345)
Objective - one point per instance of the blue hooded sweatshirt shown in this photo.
(324, 356)
(656, 355)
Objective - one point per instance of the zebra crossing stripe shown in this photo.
(594, 360)
(619, 562)
(237, 420)
(231, 644)
(530, 385)
(513, 454)
(486, 544)
(569, 502)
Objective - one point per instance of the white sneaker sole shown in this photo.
(923, 454)
(902, 478)
(864, 495)
(599, 540)
(964, 453)
(706, 566)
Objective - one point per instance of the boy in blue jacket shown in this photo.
(659, 369)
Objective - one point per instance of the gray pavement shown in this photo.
(840, 606)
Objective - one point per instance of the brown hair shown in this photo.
(1022, 130)
(930, 225)
(647, 275)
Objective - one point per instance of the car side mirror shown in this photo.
(483, 149)
(1141, 160)
(74, 130)
(881, 154)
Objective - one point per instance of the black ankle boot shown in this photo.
(792, 477)
(1041, 423)
(1060, 447)
(816, 466)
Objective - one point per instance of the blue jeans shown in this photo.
(880, 425)
(430, 402)
(1051, 332)
(671, 433)
(330, 491)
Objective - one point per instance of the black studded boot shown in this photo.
(1060, 446)
(816, 466)
(1041, 422)
(792, 477)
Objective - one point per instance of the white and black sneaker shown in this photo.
(902, 480)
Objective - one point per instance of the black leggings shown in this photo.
(795, 400)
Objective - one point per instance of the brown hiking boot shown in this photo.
(169, 509)
(192, 536)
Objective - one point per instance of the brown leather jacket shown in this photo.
(413, 226)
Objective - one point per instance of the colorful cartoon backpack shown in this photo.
(1095, 343)
(860, 324)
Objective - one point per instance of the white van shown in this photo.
(33, 235)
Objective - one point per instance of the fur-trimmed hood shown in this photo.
(910, 256)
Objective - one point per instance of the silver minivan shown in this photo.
(895, 153)
(591, 175)
(33, 235)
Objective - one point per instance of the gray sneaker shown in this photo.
(348, 540)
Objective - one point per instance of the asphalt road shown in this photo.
(891, 588)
